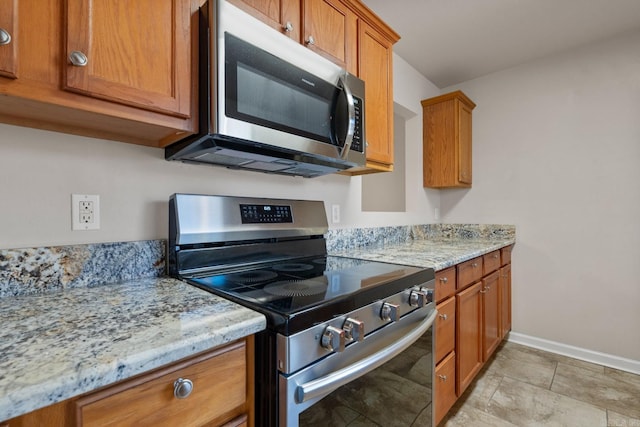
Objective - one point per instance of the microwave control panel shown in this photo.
(357, 143)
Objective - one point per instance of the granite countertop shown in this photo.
(431, 253)
(59, 345)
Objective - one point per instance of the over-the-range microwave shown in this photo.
(269, 104)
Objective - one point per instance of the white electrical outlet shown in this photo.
(85, 212)
(335, 214)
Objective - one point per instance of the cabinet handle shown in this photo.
(288, 27)
(310, 40)
(495, 256)
(182, 388)
(444, 316)
(484, 290)
(78, 58)
(444, 279)
(5, 37)
(442, 377)
(474, 265)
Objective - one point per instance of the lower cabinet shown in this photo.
(473, 319)
(213, 388)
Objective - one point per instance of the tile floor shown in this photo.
(519, 386)
(522, 386)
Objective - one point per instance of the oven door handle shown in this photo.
(324, 385)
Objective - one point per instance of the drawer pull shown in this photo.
(484, 290)
(182, 388)
(5, 37)
(474, 265)
(442, 377)
(495, 256)
(443, 316)
(444, 279)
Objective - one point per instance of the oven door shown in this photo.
(386, 379)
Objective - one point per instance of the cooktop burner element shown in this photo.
(254, 276)
(296, 288)
(293, 267)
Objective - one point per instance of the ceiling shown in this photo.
(452, 41)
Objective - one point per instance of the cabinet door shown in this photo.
(444, 387)
(375, 68)
(490, 315)
(330, 29)
(463, 146)
(505, 300)
(8, 42)
(468, 336)
(445, 328)
(134, 52)
(283, 15)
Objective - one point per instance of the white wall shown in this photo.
(557, 152)
(39, 170)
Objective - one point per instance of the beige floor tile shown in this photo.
(616, 392)
(480, 391)
(468, 416)
(618, 420)
(517, 362)
(526, 405)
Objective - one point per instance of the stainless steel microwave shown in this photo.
(269, 104)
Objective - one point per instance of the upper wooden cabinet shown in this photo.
(330, 29)
(136, 84)
(8, 45)
(447, 141)
(135, 53)
(283, 15)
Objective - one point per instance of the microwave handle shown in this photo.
(352, 117)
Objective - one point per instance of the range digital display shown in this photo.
(258, 214)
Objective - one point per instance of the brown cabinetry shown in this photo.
(445, 386)
(447, 141)
(132, 78)
(282, 15)
(8, 45)
(214, 388)
(477, 323)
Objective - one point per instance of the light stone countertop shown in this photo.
(59, 345)
(430, 253)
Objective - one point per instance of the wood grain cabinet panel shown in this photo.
(445, 283)
(445, 328)
(8, 42)
(504, 283)
(469, 272)
(505, 255)
(132, 52)
(219, 391)
(447, 147)
(445, 386)
(490, 262)
(469, 329)
(282, 15)
(490, 315)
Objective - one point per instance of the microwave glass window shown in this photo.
(281, 105)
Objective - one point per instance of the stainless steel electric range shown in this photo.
(330, 320)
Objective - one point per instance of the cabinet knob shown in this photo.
(484, 290)
(443, 316)
(474, 265)
(5, 37)
(442, 377)
(78, 58)
(310, 40)
(288, 27)
(444, 279)
(182, 388)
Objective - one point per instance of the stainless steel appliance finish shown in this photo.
(330, 320)
(269, 104)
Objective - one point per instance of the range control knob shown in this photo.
(389, 312)
(353, 330)
(418, 298)
(333, 339)
(429, 294)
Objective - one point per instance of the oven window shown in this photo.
(397, 393)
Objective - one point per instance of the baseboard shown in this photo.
(604, 359)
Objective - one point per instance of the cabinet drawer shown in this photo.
(445, 328)
(445, 283)
(505, 254)
(491, 262)
(469, 272)
(219, 393)
(445, 390)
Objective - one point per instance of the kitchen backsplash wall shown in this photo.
(49, 269)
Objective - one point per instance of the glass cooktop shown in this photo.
(313, 289)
